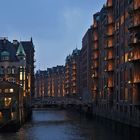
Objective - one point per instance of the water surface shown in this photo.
(49, 124)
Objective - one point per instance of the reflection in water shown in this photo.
(61, 125)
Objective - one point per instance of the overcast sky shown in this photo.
(56, 26)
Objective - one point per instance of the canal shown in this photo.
(48, 124)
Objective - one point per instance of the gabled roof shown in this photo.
(20, 51)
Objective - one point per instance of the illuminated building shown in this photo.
(55, 81)
(29, 50)
(95, 59)
(15, 86)
(85, 65)
(40, 84)
(116, 29)
(72, 74)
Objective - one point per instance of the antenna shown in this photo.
(76, 45)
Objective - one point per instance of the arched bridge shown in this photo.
(62, 102)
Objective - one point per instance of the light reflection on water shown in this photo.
(61, 125)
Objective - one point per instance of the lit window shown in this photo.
(7, 101)
(13, 70)
(0, 90)
(21, 75)
(1, 115)
(11, 90)
(6, 90)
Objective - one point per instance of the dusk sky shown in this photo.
(56, 26)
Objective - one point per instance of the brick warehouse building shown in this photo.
(55, 81)
(40, 83)
(72, 74)
(85, 65)
(117, 28)
(106, 69)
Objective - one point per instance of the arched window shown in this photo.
(8, 70)
(1, 70)
(13, 70)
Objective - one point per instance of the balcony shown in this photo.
(67, 86)
(95, 65)
(95, 46)
(134, 26)
(109, 56)
(74, 84)
(95, 75)
(95, 40)
(74, 74)
(74, 67)
(67, 71)
(73, 79)
(110, 20)
(110, 82)
(134, 41)
(109, 67)
(95, 88)
(95, 56)
(95, 26)
(109, 46)
(109, 34)
(136, 78)
(134, 10)
(67, 81)
(134, 56)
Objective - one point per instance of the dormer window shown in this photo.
(5, 56)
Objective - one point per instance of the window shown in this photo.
(136, 20)
(0, 90)
(7, 101)
(13, 71)
(5, 58)
(126, 94)
(2, 70)
(1, 116)
(9, 70)
(11, 90)
(6, 90)
(21, 77)
(122, 19)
